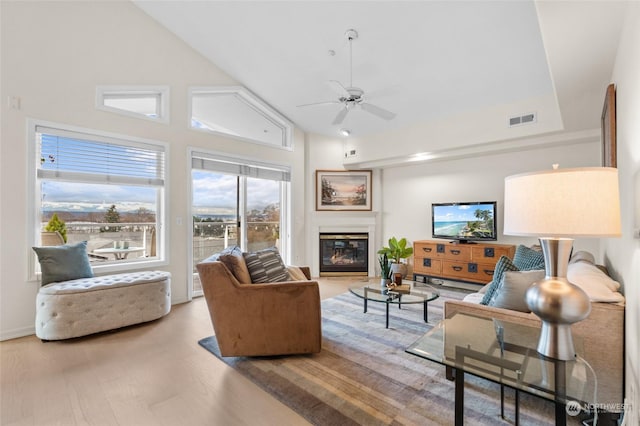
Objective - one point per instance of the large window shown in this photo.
(236, 202)
(106, 189)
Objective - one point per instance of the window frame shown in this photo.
(34, 206)
(285, 202)
(161, 91)
(255, 103)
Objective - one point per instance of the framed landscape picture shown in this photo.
(609, 158)
(343, 190)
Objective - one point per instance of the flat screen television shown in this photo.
(464, 222)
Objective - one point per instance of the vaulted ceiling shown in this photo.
(423, 60)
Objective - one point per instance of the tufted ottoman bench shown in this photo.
(84, 306)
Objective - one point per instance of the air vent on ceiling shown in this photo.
(520, 120)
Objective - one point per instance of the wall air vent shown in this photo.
(520, 120)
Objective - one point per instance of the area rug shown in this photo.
(363, 376)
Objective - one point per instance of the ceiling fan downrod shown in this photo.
(351, 35)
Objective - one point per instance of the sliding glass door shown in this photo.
(262, 213)
(235, 202)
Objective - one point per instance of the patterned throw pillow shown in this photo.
(504, 264)
(64, 263)
(266, 266)
(527, 259)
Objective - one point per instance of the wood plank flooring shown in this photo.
(150, 374)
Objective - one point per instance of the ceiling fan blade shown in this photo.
(339, 88)
(341, 115)
(376, 110)
(319, 103)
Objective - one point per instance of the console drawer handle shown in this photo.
(457, 268)
(488, 271)
(456, 252)
(427, 249)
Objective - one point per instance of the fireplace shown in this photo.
(344, 254)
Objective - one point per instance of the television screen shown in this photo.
(474, 221)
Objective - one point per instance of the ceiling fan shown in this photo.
(352, 97)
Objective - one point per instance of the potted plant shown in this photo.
(396, 251)
(54, 225)
(385, 270)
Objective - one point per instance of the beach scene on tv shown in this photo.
(463, 221)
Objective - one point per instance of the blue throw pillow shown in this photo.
(527, 259)
(64, 263)
(504, 264)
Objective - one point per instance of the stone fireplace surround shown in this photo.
(343, 222)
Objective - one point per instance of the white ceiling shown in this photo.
(423, 60)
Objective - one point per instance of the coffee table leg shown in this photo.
(459, 397)
(365, 305)
(387, 319)
(426, 312)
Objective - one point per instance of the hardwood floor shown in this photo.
(150, 374)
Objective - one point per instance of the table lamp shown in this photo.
(556, 206)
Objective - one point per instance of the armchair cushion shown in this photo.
(266, 266)
(234, 261)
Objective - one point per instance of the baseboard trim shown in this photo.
(18, 332)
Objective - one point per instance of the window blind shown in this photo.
(240, 167)
(74, 156)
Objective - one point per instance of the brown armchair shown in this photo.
(261, 319)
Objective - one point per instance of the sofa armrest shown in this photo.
(452, 307)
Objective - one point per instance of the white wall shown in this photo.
(54, 54)
(623, 254)
(486, 125)
(408, 191)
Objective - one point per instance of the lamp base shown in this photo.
(556, 301)
(556, 341)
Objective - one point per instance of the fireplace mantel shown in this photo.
(343, 222)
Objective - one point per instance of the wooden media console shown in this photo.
(473, 263)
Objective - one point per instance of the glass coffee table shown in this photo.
(404, 294)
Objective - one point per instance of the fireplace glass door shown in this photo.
(344, 254)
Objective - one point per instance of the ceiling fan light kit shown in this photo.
(351, 97)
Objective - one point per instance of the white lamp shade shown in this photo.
(581, 202)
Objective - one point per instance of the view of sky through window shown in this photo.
(222, 201)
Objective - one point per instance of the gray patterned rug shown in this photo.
(363, 376)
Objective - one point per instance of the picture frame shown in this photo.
(339, 190)
(608, 127)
